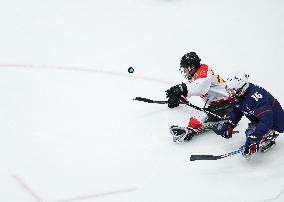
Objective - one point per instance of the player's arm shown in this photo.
(235, 116)
(264, 114)
(226, 128)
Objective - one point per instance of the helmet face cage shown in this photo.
(237, 92)
(187, 72)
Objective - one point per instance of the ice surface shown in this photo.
(70, 130)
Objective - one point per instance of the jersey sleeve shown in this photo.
(201, 82)
(235, 116)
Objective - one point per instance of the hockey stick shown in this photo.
(186, 102)
(149, 100)
(212, 157)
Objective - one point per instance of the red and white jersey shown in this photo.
(208, 85)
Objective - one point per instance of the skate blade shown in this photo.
(267, 147)
(271, 137)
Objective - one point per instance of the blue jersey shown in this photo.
(261, 108)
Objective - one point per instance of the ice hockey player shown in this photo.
(260, 107)
(201, 81)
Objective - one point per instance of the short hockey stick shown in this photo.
(149, 100)
(212, 157)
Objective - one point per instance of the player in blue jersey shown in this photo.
(260, 107)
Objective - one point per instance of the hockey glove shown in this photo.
(252, 142)
(225, 130)
(176, 94)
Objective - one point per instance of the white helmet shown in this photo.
(237, 84)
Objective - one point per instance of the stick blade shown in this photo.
(143, 99)
(204, 157)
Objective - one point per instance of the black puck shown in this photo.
(130, 70)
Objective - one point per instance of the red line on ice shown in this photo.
(27, 188)
(98, 195)
(82, 69)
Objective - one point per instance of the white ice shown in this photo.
(69, 128)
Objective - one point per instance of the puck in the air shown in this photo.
(130, 70)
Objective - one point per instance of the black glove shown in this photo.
(175, 93)
(225, 130)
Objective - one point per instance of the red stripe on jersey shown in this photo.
(260, 113)
(201, 72)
